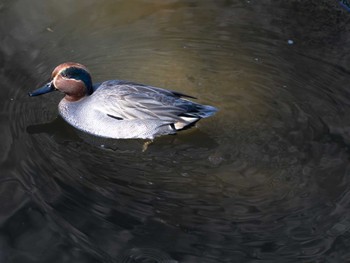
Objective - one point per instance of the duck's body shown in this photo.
(120, 109)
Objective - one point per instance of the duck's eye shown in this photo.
(78, 74)
(74, 73)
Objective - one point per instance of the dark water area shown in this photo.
(267, 179)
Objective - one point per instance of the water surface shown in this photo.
(264, 180)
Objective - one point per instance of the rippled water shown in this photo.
(264, 180)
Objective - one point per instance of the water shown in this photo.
(264, 180)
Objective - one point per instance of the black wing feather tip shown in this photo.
(179, 94)
(115, 117)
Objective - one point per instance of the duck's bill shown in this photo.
(45, 89)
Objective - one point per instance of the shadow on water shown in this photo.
(264, 180)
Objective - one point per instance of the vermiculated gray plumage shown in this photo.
(131, 110)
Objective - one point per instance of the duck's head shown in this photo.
(71, 78)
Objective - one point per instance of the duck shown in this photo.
(121, 109)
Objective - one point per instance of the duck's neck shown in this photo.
(73, 98)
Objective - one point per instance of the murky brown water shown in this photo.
(264, 180)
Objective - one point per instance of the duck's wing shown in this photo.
(121, 86)
(130, 101)
(127, 101)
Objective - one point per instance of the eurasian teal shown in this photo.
(121, 109)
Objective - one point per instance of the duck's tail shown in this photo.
(206, 111)
(190, 118)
